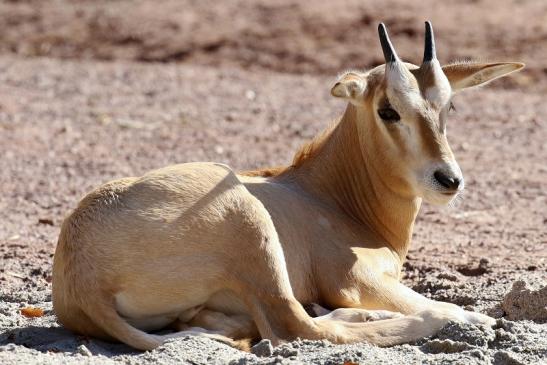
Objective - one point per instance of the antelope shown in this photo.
(206, 251)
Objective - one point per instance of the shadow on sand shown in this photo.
(58, 339)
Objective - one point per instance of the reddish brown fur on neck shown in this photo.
(338, 170)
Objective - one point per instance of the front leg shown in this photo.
(350, 314)
(389, 294)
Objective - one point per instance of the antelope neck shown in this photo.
(343, 172)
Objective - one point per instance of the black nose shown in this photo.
(449, 182)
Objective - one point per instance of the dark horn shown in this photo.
(387, 47)
(429, 50)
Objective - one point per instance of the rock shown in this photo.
(250, 94)
(8, 347)
(467, 333)
(505, 358)
(46, 221)
(445, 346)
(503, 336)
(263, 349)
(481, 269)
(448, 276)
(523, 302)
(82, 350)
(286, 350)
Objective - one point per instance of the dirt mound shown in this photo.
(525, 303)
(282, 35)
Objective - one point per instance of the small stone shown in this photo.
(286, 351)
(46, 221)
(8, 347)
(219, 149)
(263, 349)
(506, 358)
(447, 276)
(503, 336)
(250, 94)
(445, 346)
(82, 350)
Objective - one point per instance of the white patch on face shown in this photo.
(397, 75)
(402, 89)
(439, 94)
(431, 190)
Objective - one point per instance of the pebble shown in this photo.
(250, 94)
(263, 349)
(8, 347)
(82, 350)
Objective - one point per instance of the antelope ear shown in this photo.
(464, 75)
(350, 86)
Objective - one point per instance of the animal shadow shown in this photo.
(58, 339)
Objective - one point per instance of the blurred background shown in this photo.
(282, 35)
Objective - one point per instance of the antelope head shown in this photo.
(401, 115)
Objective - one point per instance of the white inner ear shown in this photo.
(480, 74)
(350, 87)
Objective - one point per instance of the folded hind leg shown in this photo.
(239, 328)
(235, 326)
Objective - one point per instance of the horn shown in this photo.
(429, 50)
(387, 47)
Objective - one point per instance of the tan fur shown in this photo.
(234, 257)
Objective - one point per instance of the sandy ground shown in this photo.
(250, 100)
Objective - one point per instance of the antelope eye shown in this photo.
(388, 114)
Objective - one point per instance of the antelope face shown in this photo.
(402, 115)
(410, 122)
(412, 105)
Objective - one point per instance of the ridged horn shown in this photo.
(389, 52)
(429, 49)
